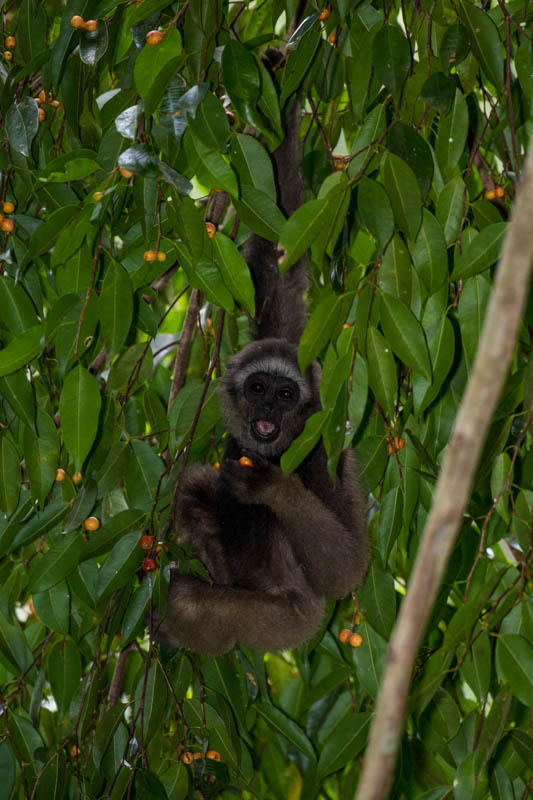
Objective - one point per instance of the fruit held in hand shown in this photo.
(154, 38)
(246, 462)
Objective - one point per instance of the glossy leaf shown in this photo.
(404, 194)
(514, 659)
(481, 253)
(58, 562)
(79, 407)
(22, 123)
(405, 333)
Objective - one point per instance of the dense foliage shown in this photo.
(114, 153)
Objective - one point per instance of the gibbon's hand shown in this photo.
(252, 479)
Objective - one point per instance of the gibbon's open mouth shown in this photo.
(264, 429)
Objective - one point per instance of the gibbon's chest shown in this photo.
(252, 541)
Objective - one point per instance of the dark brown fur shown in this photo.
(276, 546)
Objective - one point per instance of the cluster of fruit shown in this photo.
(354, 639)
(7, 225)
(9, 44)
(90, 25)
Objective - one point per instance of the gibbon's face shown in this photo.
(269, 398)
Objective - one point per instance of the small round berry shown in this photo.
(42, 97)
(74, 751)
(500, 191)
(149, 565)
(187, 758)
(56, 104)
(91, 25)
(217, 465)
(246, 462)
(91, 524)
(161, 256)
(60, 475)
(8, 208)
(42, 115)
(8, 55)
(211, 229)
(77, 477)
(154, 38)
(345, 634)
(214, 755)
(125, 173)
(356, 640)
(150, 255)
(97, 196)
(390, 449)
(332, 38)
(146, 542)
(76, 21)
(324, 14)
(490, 194)
(10, 42)
(7, 225)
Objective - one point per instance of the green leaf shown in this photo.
(142, 476)
(93, 44)
(207, 277)
(375, 211)
(40, 523)
(395, 272)
(22, 124)
(377, 599)
(53, 607)
(235, 272)
(79, 409)
(17, 390)
(476, 667)
(369, 659)
(455, 46)
(41, 450)
(240, 75)
(358, 397)
(16, 310)
(404, 194)
(47, 233)
(252, 164)
(13, 646)
(152, 59)
(325, 317)
(281, 724)
(404, 142)
(514, 662)
(404, 333)
(212, 169)
(119, 566)
(344, 744)
(392, 58)
(439, 92)
(449, 209)
(115, 307)
(154, 694)
(485, 40)
(64, 671)
(260, 213)
(481, 253)
(58, 562)
(10, 475)
(22, 350)
(210, 123)
(113, 530)
(305, 442)
(451, 136)
(381, 371)
(429, 254)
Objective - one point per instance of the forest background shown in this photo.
(135, 161)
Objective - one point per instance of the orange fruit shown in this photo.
(7, 225)
(76, 21)
(246, 462)
(356, 640)
(345, 634)
(214, 754)
(146, 542)
(76, 478)
(154, 38)
(125, 173)
(324, 14)
(150, 255)
(97, 196)
(60, 475)
(91, 25)
(10, 41)
(211, 229)
(149, 565)
(91, 524)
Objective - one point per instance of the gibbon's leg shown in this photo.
(212, 619)
(197, 500)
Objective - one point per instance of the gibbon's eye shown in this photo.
(285, 394)
(257, 388)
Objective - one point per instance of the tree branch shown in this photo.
(452, 491)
